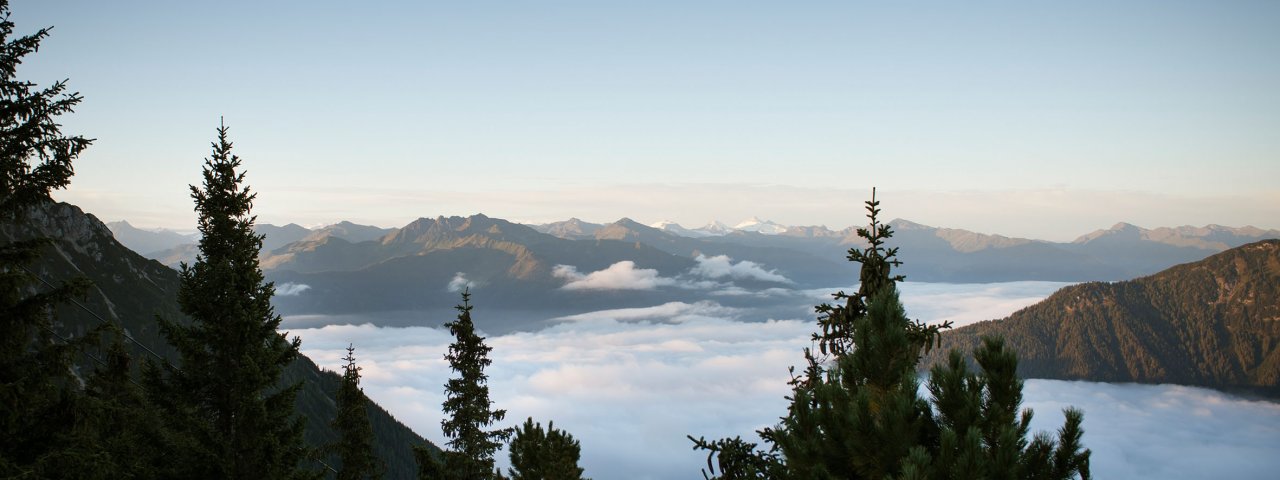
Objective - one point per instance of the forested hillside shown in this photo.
(131, 291)
(1214, 322)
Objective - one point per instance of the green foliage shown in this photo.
(355, 447)
(983, 435)
(471, 445)
(538, 454)
(226, 395)
(856, 410)
(41, 427)
(35, 157)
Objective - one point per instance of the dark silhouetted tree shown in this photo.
(120, 422)
(856, 411)
(226, 394)
(469, 409)
(40, 398)
(355, 443)
(538, 454)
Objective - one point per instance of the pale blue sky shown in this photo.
(1043, 119)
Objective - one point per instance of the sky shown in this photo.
(630, 384)
(1033, 119)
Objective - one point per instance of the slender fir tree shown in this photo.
(856, 411)
(538, 454)
(471, 444)
(227, 395)
(40, 398)
(355, 434)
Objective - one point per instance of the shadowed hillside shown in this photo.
(131, 291)
(1215, 322)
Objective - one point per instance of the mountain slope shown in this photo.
(147, 241)
(1215, 322)
(131, 290)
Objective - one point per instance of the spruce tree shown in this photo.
(470, 412)
(40, 398)
(538, 454)
(856, 411)
(227, 395)
(355, 443)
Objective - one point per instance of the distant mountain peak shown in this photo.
(675, 229)
(573, 228)
(904, 224)
(755, 224)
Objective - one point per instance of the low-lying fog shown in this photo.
(631, 383)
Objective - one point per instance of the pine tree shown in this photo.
(538, 454)
(226, 395)
(471, 445)
(856, 411)
(355, 444)
(40, 398)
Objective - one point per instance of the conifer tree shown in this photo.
(470, 411)
(355, 444)
(128, 438)
(538, 454)
(226, 395)
(39, 396)
(856, 411)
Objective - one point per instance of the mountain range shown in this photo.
(407, 275)
(937, 254)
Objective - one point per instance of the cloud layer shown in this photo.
(631, 383)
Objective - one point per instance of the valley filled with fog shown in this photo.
(630, 383)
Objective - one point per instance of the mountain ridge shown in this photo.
(1213, 322)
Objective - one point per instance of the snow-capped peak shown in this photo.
(675, 228)
(755, 224)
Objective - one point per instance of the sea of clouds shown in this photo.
(631, 383)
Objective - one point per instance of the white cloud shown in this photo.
(460, 282)
(721, 266)
(291, 289)
(620, 276)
